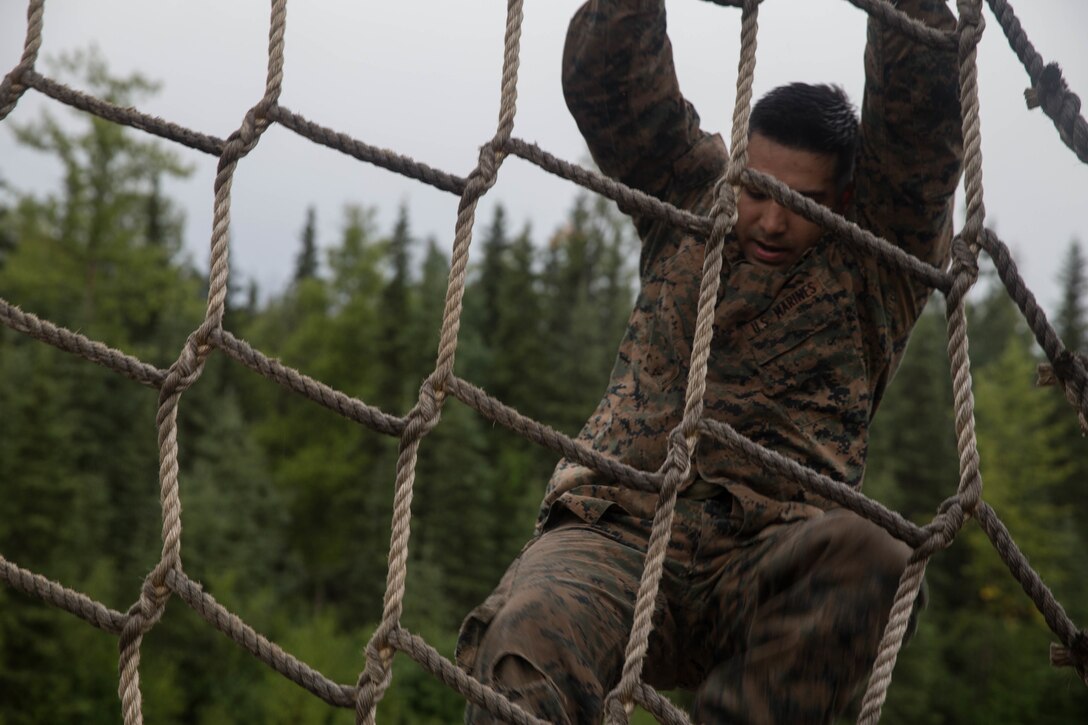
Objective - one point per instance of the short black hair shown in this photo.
(818, 118)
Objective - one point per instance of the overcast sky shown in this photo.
(422, 78)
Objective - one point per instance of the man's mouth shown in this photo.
(768, 254)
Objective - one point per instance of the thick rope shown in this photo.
(15, 84)
(377, 675)
(76, 344)
(965, 268)
(677, 467)
(1073, 651)
(62, 597)
(543, 435)
(846, 230)
(1068, 368)
(1049, 90)
(185, 371)
(824, 486)
(259, 646)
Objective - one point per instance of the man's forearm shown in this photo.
(621, 88)
(911, 146)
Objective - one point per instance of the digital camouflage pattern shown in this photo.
(799, 361)
(771, 627)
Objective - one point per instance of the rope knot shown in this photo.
(678, 457)
(12, 88)
(1069, 369)
(725, 195)
(145, 611)
(964, 265)
(153, 595)
(964, 260)
(1049, 84)
(426, 413)
(187, 369)
(245, 138)
(971, 23)
(374, 680)
(1065, 364)
(942, 529)
(1074, 655)
(618, 712)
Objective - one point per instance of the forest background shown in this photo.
(287, 507)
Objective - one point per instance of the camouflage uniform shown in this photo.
(771, 605)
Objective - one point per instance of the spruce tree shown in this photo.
(306, 262)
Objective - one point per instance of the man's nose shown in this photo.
(774, 219)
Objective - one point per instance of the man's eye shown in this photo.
(755, 195)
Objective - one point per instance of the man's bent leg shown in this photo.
(552, 636)
(823, 591)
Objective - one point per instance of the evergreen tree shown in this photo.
(1022, 475)
(1072, 446)
(587, 288)
(993, 320)
(1072, 318)
(306, 261)
(78, 448)
(396, 390)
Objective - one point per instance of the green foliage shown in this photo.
(980, 654)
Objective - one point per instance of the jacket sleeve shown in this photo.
(620, 85)
(910, 150)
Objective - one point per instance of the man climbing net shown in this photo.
(693, 442)
(771, 600)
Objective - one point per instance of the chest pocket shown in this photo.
(809, 362)
(672, 322)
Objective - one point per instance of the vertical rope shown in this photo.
(377, 675)
(183, 373)
(620, 702)
(12, 87)
(965, 249)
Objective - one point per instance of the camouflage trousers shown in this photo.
(774, 626)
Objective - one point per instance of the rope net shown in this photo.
(1068, 369)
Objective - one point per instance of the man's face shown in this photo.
(771, 235)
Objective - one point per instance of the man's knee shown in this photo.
(551, 635)
(522, 683)
(874, 560)
(857, 546)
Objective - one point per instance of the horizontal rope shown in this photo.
(314, 390)
(1030, 581)
(62, 597)
(822, 485)
(1049, 90)
(77, 344)
(125, 116)
(472, 689)
(383, 158)
(887, 14)
(547, 437)
(257, 644)
(848, 230)
(1069, 369)
(631, 201)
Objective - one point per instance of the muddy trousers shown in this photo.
(777, 627)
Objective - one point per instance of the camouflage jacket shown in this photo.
(800, 359)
